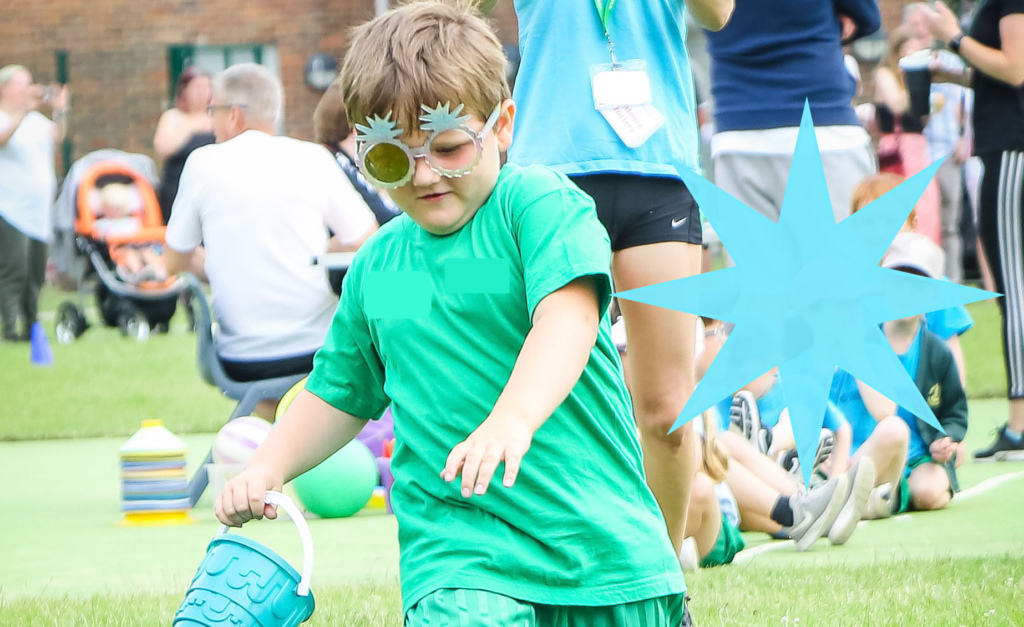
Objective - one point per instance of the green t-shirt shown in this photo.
(432, 325)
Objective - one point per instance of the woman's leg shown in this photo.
(743, 453)
(13, 273)
(1001, 228)
(35, 277)
(661, 352)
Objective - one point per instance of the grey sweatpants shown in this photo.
(22, 271)
(759, 180)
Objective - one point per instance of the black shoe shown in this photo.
(1002, 450)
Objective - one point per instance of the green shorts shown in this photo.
(480, 608)
(729, 543)
(904, 495)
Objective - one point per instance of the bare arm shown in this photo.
(193, 261)
(712, 14)
(172, 131)
(334, 245)
(889, 92)
(878, 406)
(554, 354)
(15, 122)
(310, 431)
(1004, 64)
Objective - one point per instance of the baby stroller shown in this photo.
(135, 309)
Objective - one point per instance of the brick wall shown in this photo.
(118, 53)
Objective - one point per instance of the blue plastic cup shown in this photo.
(242, 583)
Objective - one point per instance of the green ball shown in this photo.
(341, 485)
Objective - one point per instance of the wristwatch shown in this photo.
(954, 43)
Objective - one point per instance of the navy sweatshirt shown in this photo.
(774, 54)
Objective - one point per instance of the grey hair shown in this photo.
(253, 87)
(8, 72)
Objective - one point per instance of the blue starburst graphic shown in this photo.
(807, 295)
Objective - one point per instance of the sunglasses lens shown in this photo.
(386, 163)
(453, 151)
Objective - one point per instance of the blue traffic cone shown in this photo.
(41, 353)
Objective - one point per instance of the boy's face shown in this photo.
(443, 205)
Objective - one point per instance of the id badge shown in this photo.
(623, 84)
(634, 125)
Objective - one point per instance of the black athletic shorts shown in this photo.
(638, 210)
(271, 369)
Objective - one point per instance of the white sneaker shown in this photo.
(815, 511)
(861, 479)
(689, 557)
(879, 504)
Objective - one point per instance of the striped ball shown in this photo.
(237, 440)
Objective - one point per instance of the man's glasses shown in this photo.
(210, 110)
(452, 149)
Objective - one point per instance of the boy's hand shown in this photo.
(245, 497)
(498, 439)
(942, 450)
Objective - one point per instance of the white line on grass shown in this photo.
(988, 484)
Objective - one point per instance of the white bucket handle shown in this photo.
(277, 498)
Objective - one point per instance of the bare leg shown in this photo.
(770, 474)
(782, 434)
(887, 447)
(1016, 421)
(929, 487)
(987, 281)
(661, 349)
(704, 517)
(755, 500)
(132, 260)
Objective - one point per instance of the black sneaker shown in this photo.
(1002, 450)
(687, 618)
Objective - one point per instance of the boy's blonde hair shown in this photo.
(424, 53)
(873, 187)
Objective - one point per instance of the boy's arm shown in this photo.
(554, 354)
(308, 433)
(878, 405)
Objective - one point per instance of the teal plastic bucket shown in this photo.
(242, 583)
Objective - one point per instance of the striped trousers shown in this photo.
(1001, 226)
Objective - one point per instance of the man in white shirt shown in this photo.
(251, 213)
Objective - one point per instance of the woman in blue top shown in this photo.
(625, 135)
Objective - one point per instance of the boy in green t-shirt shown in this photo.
(480, 317)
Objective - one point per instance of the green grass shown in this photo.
(104, 384)
(67, 561)
(969, 592)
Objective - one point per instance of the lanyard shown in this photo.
(604, 13)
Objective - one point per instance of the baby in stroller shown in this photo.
(120, 208)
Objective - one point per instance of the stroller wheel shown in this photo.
(133, 323)
(70, 323)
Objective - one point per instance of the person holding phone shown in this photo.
(993, 47)
(27, 187)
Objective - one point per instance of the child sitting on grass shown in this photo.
(917, 463)
(479, 316)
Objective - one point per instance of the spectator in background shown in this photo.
(332, 129)
(945, 135)
(252, 212)
(772, 57)
(182, 128)
(27, 187)
(994, 49)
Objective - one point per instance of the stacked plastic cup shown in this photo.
(154, 485)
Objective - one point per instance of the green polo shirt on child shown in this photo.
(432, 325)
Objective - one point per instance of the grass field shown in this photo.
(66, 560)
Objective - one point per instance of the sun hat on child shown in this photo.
(915, 251)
